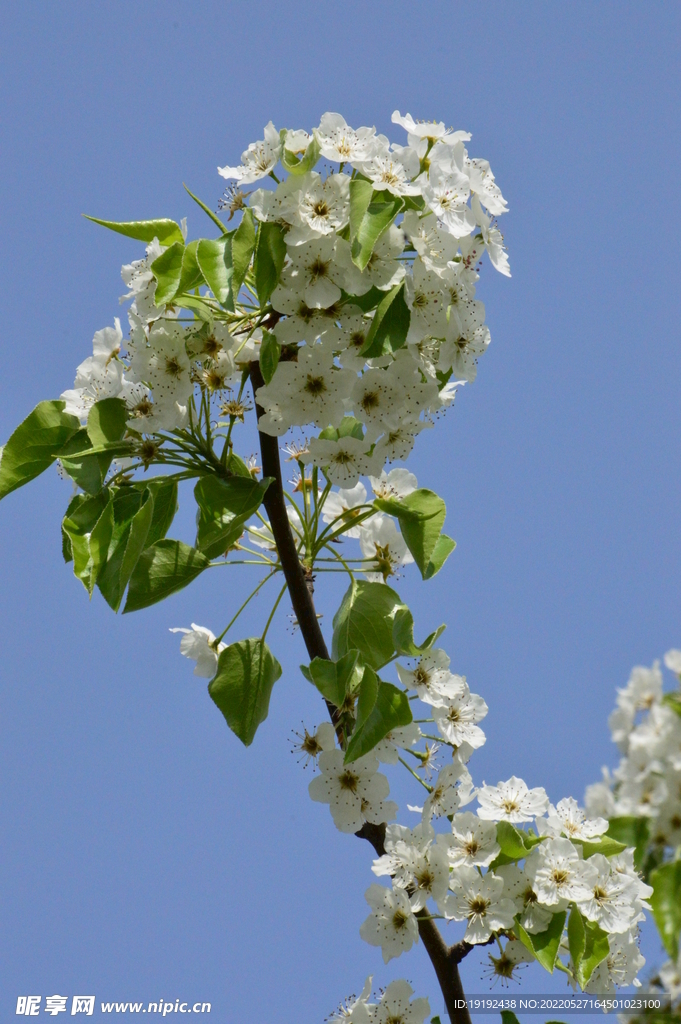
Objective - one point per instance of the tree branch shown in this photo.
(445, 959)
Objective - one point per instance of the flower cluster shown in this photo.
(646, 785)
(392, 222)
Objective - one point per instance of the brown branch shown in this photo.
(445, 959)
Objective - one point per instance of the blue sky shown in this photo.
(146, 853)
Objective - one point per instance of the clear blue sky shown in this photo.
(146, 854)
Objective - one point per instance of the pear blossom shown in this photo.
(199, 644)
(567, 817)
(258, 160)
(355, 792)
(431, 678)
(398, 483)
(612, 897)
(431, 130)
(343, 461)
(620, 967)
(457, 719)
(342, 144)
(380, 540)
(342, 504)
(534, 917)
(311, 745)
(670, 976)
(513, 957)
(452, 788)
(556, 872)
(355, 1011)
(479, 901)
(391, 924)
(472, 843)
(386, 750)
(672, 660)
(395, 1007)
(511, 801)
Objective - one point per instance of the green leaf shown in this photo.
(137, 538)
(361, 192)
(301, 165)
(242, 686)
(243, 244)
(224, 507)
(576, 936)
(351, 427)
(377, 218)
(444, 546)
(366, 696)
(508, 1017)
(666, 904)
(167, 231)
(238, 467)
(367, 301)
(270, 350)
(270, 253)
(191, 275)
(197, 304)
(632, 832)
(164, 568)
(86, 468)
(206, 209)
(390, 325)
(214, 257)
(336, 679)
(32, 447)
(89, 527)
(607, 846)
(596, 948)
(126, 504)
(421, 516)
(391, 710)
(673, 701)
(364, 622)
(545, 944)
(515, 844)
(164, 492)
(403, 634)
(167, 269)
(107, 421)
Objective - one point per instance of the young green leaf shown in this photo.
(167, 269)
(163, 490)
(86, 468)
(270, 350)
(391, 710)
(191, 276)
(576, 936)
(167, 231)
(291, 163)
(138, 535)
(361, 192)
(336, 679)
(164, 568)
(126, 505)
(89, 526)
(224, 508)
(390, 325)
(107, 421)
(242, 686)
(607, 846)
(214, 258)
(403, 634)
(545, 944)
(421, 516)
(32, 447)
(666, 904)
(270, 253)
(364, 622)
(596, 949)
(243, 244)
(444, 546)
(206, 209)
(508, 1017)
(377, 218)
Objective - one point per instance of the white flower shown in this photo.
(428, 129)
(511, 801)
(340, 505)
(343, 461)
(457, 719)
(556, 872)
(483, 184)
(391, 924)
(568, 817)
(641, 693)
(480, 901)
(599, 799)
(534, 917)
(395, 1008)
(392, 169)
(620, 967)
(436, 247)
(312, 274)
(342, 144)
(473, 842)
(355, 792)
(380, 540)
(137, 276)
(431, 678)
(672, 660)
(446, 192)
(311, 745)
(493, 239)
(310, 390)
(258, 160)
(428, 299)
(316, 208)
(623, 864)
(163, 365)
(99, 376)
(513, 956)
(199, 644)
(383, 270)
(359, 1011)
(612, 897)
(447, 796)
(398, 483)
